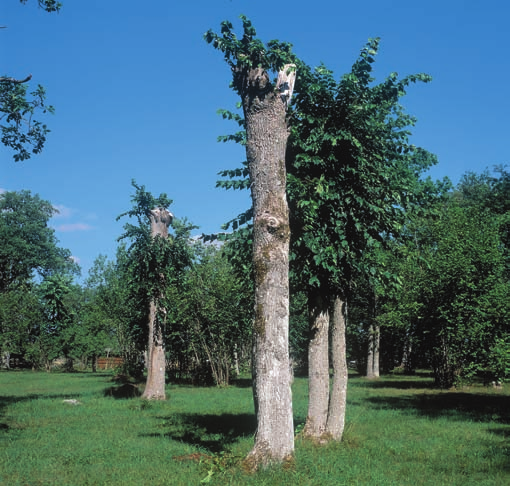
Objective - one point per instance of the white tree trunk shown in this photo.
(373, 352)
(266, 131)
(338, 396)
(318, 369)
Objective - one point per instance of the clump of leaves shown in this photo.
(21, 131)
(219, 464)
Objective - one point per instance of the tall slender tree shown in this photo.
(264, 103)
(156, 262)
(160, 220)
(352, 170)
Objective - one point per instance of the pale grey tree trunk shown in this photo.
(338, 396)
(377, 343)
(160, 219)
(236, 361)
(318, 369)
(373, 352)
(267, 133)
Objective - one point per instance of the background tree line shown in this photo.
(448, 313)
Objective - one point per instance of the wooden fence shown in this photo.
(109, 363)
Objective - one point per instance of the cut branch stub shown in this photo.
(286, 81)
(160, 219)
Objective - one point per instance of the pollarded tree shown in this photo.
(352, 171)
(264, 103)
(156, 262)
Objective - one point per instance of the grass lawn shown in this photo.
(399, 431)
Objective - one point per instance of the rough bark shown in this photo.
(318, 369)
(338, 395)
(160, 220)
(267, 133)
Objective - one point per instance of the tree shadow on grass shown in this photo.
(90, 374)
(242, 382)
(404, 384)
(125, 387)
(503, 453)
(212, 433)
(418, 380)
(483, 407)
(122, 392)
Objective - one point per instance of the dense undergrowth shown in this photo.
(399, 431)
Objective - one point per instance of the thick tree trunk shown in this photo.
(266, 131)
(156, 366)
(318, 369)
(338, 395)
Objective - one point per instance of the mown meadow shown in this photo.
(399, 431)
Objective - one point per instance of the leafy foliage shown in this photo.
(48, 5)
(21, 314)
(212, 324)
(248, 53)
(103, 313)
(29, 244)
(56, 336)
(153, 265)
(21, 132)
(464, 292)
(352, 170)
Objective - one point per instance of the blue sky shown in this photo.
(136, 90)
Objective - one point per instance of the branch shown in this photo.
(4, 79)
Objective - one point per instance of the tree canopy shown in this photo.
(29, 245)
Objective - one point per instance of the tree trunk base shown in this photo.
(319, 440)
(313, 432)
(260, 457)
(153, 397)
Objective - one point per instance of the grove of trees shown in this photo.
(347, 255)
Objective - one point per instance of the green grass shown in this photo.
(399, 431)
